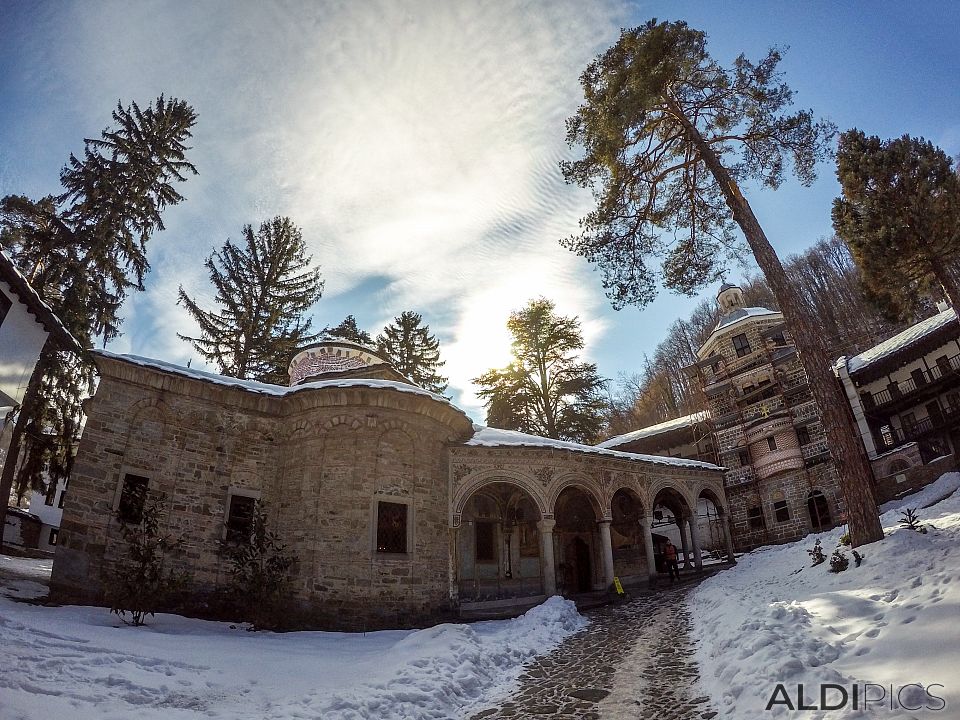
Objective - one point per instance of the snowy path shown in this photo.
(81, 663)
(634, 661)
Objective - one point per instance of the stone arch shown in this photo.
(663, 483)
(897, 465)
(627, 533)
(585, 483)
(712, 494)
(474, 481)
(345, 420)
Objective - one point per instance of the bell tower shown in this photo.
(730, 298)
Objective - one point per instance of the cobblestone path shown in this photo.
(634, 660)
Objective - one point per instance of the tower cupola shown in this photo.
(730, 298)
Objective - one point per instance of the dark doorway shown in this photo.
(819, 511)
(579, 556)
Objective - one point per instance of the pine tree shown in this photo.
(264, 288)
(668, 136)
(413, 351)
(349, 330)
(545, 390)
(83, 252)
(900, 216)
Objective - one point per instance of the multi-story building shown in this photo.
(780, 481)
(905, 397)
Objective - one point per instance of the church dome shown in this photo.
(334, 358)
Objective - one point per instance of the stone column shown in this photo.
(728, 537)
(681, 525)
(856, 406)
(695, 541)
(546, 556)
(646, 525)
(606, 547)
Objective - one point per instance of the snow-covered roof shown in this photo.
(742, 313)
(29, 297)
(659, 429)
(493, 437)
(266, 388)
(900, 341)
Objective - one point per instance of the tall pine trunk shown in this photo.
(853, 469)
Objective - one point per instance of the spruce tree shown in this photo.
(264, 287)
(545, 390)
(900, 216)
(349, 330)
(84, 251)
(413, 351)
(669, 136)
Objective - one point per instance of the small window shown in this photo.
(755, 516)
(63, 494)
(909, 421)
(54, 533)
(391, 527)
(741, 344)
(132, 498)
(486, 547)
(780, 511)
(772, 443)
(803, 435)
(778, 339)
(239, 520)
(744, 457)
(5, 305)
(51, 496)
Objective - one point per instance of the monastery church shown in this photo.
(398, 509)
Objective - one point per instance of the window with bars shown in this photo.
(391, 527)
(771, 443)
(741, 344)
(239, 520)
(755, 517)
(132, 498)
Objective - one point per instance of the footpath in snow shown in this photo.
(81, 663)
(893, 622)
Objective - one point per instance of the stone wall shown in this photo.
(319, 458)
(897, 484)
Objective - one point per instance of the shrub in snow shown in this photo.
(816, 553)
(839, 561)
(910, 520)
(857, 558)
(259, 574)
(140, 584)
(845, 539)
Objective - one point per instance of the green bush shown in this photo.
(845, 539)
(838, 561)
(140, 583)
(816, 553)
(259, 574)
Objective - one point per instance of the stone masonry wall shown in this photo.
(319, 458)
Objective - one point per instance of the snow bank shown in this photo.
(75, 662)
(893, 621)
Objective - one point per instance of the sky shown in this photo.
(417, 143)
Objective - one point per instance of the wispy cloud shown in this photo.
(415, 143)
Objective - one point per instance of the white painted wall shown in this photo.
(21, 339)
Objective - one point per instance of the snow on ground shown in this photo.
(895, 620)
(81, 663)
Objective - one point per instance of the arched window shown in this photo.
(898, 466)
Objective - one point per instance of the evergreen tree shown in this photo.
(668, 136)
(264, 288)
(545, 390)
(348, 330)
(900, 216)
(83, 251)
(413, 351)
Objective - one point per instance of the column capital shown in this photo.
(546, 525)
(604, 521)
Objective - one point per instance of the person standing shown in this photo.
(670, 555)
